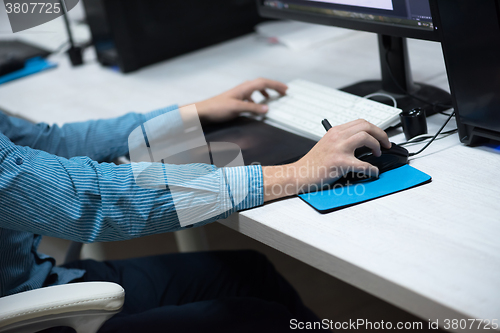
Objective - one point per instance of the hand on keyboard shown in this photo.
(232, 103)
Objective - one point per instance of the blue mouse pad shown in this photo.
(389, 182)
(32, 66)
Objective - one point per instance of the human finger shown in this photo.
(374, 131)
(242, 106)
(262, 84)
(361, 139)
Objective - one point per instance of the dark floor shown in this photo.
(327, 296)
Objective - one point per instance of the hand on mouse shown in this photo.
(230, 104)
(331, 158)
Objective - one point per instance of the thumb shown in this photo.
(365, 168)
(242, 106)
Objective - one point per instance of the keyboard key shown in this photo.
(307, 103)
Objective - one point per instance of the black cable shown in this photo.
(424, 101)
(66, 23)
(435, 136)
(444, 113)
(423, 138)
(408, 93)
(74, 52)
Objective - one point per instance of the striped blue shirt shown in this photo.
(55, 181)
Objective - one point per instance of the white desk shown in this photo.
(433, 250)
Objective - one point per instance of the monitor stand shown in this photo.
(397, 81)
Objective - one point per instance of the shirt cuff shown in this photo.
(245, 186)
(159, 112)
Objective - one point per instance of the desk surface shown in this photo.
(433, 250)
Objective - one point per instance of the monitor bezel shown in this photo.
(375, 27)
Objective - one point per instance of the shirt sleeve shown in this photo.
(82, 200)
(101, 140)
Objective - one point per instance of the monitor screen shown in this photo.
(413, 16)
(393, 21)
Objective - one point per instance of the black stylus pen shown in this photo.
(326, 124)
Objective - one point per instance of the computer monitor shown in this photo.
(393, 21)
(472, 56)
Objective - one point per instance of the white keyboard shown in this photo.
(307, 104)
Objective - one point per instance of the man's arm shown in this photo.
(101, 140)
(82, 200)
(106, 139)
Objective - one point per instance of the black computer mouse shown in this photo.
(391, 158)
(10, 63)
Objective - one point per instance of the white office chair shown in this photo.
(83, 306)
